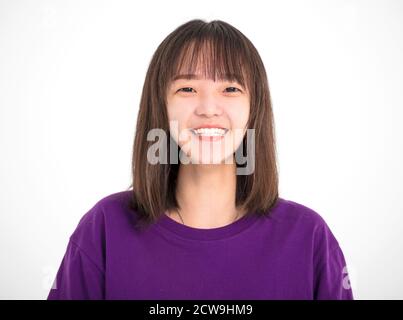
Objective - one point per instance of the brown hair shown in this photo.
(227, 54)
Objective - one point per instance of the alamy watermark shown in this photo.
(221, 151)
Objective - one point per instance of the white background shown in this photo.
(71, 75)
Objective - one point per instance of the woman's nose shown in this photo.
(208, 105)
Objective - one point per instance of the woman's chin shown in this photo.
(210, 158)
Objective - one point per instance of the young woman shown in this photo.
(203, 221)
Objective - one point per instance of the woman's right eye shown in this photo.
(185, 88)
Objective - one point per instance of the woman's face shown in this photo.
(203, 103)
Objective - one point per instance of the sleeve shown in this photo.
(331, 278)
(78, 278)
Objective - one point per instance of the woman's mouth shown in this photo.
(209, 134)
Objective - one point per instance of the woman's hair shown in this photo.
(225, 54)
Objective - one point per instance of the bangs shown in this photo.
(215, 56)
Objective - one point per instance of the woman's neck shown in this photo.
(206, 195)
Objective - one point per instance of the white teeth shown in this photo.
(210, 131)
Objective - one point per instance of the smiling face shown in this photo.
(193, 101)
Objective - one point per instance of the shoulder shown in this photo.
(305, 221)
(109, 215)
(303, 229)
(288, 210)
(104, 209)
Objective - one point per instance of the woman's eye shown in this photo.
(185, 88)
(234, 88)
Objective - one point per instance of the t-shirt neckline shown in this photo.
(222, 232)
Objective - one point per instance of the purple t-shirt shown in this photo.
(290, 254)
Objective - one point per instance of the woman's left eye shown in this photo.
(233, 88)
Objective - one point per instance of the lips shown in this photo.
(209, 131)
(207, 126)
(209, 134)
